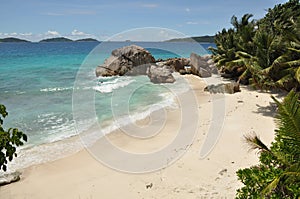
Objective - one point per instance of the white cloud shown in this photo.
(53, 14)
(25, 34)
(80, 12)
(18, 35)
(191, 23)
(149, 5)
(188, 10)
(78, 33)
(71, 12)
(52, 33)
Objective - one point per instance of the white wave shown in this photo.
(169, 100)
(38, 154)
(109, 86)
(55, 89)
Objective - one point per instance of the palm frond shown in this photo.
(289, 112)
(245, 75)
(288, 121)
(294, 50)
(294, 63)
(281, 82)
(270, 187)
(255, 142)
(291, 174)
(297, 75)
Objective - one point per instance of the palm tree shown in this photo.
(266, 49)
(264, 52)
(285, 70)
(228, 42)
(226, 47)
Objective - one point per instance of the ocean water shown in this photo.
(37, 84)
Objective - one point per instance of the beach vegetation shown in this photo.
(9, 140)
(264, 53)
(278, 173)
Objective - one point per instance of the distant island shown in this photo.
(12, 39)
(57, 39)
(202, 39)
(63, 39)
(87, 40)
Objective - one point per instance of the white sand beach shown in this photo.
(82, 176)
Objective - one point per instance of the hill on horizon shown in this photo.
(87, 39)
(56, 39)
(202, 39)
(13, 39)
(64, 39)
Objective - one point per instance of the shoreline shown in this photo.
(71, 145)
(80, 175)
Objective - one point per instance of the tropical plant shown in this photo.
(9, 140)
(265, 53)
(278, 174)
(286, 70)
(228, 42)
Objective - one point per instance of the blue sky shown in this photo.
(38, 19)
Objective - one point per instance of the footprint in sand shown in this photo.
(222, 172)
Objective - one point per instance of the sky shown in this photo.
(39, 19)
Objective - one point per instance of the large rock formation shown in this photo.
(202, 66)
(230, 88)
(129, 60)
(177, 63)
(160, 74)
(135, 60)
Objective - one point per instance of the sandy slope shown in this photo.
(82, 176)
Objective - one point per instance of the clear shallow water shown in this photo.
(36, 86)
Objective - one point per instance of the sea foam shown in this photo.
(106, 86)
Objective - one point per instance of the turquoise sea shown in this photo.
(37, 83)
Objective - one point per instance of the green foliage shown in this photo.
(265, 53)
(278, 174)
(9, 140)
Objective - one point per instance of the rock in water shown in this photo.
(10, 178)
(128, 60)
(230, 88)
(159, 74)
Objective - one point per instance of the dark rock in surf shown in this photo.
(10, 178)
(128, 60)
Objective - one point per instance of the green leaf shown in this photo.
(9, 140)
(297, 75)
(25, 137)
(4, 167)
(270, 187)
